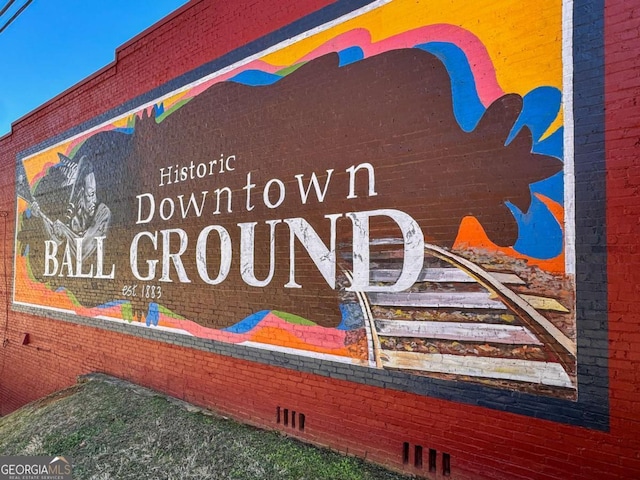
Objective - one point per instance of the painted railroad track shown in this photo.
(486, 328)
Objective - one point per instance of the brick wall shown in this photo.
(376, 417)
(622, 143)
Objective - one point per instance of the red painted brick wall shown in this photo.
(622, 140)
(358, 419)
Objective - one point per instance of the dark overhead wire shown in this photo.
(15, 15)
(6, 7)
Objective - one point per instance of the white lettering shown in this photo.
(165, 175)
(247, 244)
(66, 261)
(265, 193)
(50, 250)
(79, 273)
(352, 179)
(413, 251)
(323, 257)
(172, 208)
(100, 261)
(133, 256)
(304, 194)
(192, 203)
(218, 192)
(225, 254)
(152, 207)
(248, 188)
(173, 257)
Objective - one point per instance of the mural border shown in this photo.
(584, 22)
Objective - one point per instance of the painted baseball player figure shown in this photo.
(87, 218)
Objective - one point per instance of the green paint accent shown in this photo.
(73, 151)
(169, 313)
(175, 107)
(127, 312)
(295, 319)
(287, 70)
(32, 277)
(73, 298)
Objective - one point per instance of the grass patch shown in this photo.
(114, 431)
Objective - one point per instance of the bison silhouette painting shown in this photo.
(263, 169)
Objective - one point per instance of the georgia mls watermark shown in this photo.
(35, 468)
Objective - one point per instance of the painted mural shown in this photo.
(386, 190)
